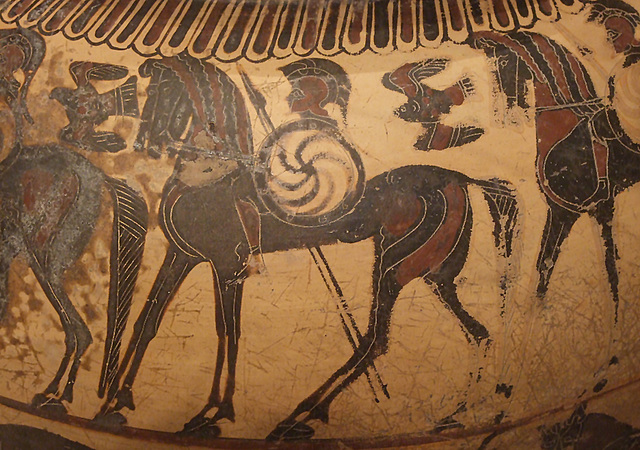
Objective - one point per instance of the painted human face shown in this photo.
(307, 94)
(621, 34)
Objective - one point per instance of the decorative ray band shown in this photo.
(229, 30)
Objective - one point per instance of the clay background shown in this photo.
(552, 352)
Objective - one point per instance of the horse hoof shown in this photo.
(291, 432)
(124, 399)
(446, 424)
(201, 426)
(111, 419)
(49, 404)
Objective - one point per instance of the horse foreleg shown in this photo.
(604, 216)
(228, 306)
(214, 395)
(231, 305)
(557, 228)
(174, 270)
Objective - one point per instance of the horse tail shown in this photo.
(127, 244)
(503, 207)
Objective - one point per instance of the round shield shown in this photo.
(307, 174)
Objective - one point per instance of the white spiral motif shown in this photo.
(626, 100)
(308, 174)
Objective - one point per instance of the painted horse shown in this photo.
(585, 157)
(419, 218)
(51, 199)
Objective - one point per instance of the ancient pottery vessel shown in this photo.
(361, 223)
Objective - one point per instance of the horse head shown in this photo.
(20, 49)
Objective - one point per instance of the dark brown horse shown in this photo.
(419, 218)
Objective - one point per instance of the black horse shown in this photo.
(585, 158)
(419, 218)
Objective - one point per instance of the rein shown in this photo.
(189, 150)
(592, 102)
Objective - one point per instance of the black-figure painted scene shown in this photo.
(371, 223)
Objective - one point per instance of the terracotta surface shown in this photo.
(439, 196)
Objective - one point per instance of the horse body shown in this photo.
(574, 127)
(570, 181)
(419, 218)
(183, 217)
(51, 198)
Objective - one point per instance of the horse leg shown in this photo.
(8, 252)
(557, 228)
(200, 423)
(604, 215)
(228, 297)
(373, 343)
(443, 283)
(447, 292)
(413, 243)
(214, 395)
(77, 336)
(175, 268)
(231, 305)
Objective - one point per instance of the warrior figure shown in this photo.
(316, 83)
(309, 174)
(565, 95)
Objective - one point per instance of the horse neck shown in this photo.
(16, 146)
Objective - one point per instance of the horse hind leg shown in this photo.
(387, 284)
(77, 338)
(604, 215)
(443, 283)
(49, 262)
(557, 228)
(373, 343)
(400, 258)
(446, 291)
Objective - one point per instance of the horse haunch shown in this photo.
(54, 198)
(420, 220)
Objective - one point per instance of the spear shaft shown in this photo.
(346, 317)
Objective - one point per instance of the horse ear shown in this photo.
(428, 68)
